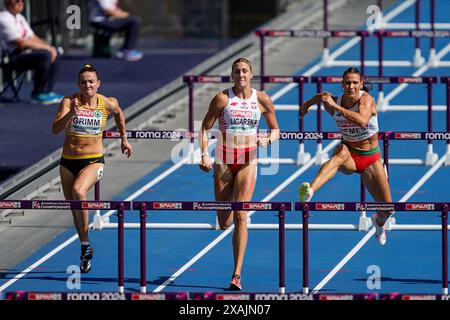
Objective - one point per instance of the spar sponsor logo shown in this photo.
(336, 297)
(44, 296)
(148, 296)
(96, 205)
(167, 205)
(209, 79)
(333, 79)
(279, 33)
(334, 135)
(344, 124)
(398, 33)
(419, 297)
(330, 206)
(232, 296)
(85, 113)
(420, 206)
(241, 114)
(10, 205)
(346, 33)
(113, 134)
(257, 206)
(280, 79)
(410, 80)
(408, 135)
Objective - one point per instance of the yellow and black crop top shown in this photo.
(88, 122)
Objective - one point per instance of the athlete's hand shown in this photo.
(205, 163)
(327, 98)
(263, 142)
(304, 109)
(74, 105)
(126, 148)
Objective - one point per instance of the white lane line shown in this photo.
(136, 194)
(39, 262)
(75, 237)
(418, 73)
(211, 245)
(371, 232)
(423, 179)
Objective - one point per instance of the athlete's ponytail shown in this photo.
(87, 68)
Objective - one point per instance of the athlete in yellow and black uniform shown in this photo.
(85, 123)
(83, 117)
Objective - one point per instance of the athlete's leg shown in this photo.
(244, 185)
(376, 182)
(67, 181)
(84, 182)
(341, 161)
(223, 189)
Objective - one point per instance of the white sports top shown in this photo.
(352, 132)
(240, 116)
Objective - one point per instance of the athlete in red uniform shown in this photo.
(238, 110)
(356, 117)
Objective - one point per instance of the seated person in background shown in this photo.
(107, 15)
(28, 52)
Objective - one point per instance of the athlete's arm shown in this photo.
(361, 118)
(112, 105)
(218, 103)
(304, 108)
(268, 111)
(67, 107)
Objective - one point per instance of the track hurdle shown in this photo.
(305, 208)
(143, 207)
(120, 206)
(302, 157)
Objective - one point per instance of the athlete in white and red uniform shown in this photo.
(239, 118)
(238, 110)
(356, 117)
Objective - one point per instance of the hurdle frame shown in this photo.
(281, 207)
(380, 25)
(144, 206)
(305, 208)
(302, 157)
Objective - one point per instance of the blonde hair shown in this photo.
(244, 61)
